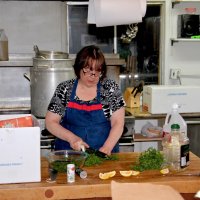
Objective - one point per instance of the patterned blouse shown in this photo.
(110, 95)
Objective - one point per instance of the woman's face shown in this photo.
(90, 75)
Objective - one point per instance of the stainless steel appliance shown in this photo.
(45, 75)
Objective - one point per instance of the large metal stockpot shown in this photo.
(49, 54)
(45, 75)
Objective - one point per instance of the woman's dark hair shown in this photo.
(87, 55)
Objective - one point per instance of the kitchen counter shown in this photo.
(18, 60)
(93, 187)
(139, 113)
(26, 60)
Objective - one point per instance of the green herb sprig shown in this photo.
(151, 159)
(92, 159)
(61, 165)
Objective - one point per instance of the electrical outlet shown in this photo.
(175, 73)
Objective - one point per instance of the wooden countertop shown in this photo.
(140, 138)
(139, 113)
(92, 186)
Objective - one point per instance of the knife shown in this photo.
(96, 152)
(138, 89)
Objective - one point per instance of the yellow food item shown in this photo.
(126, 173)
(112, 173)
(164, 171)
(107, 175)
(135, 173)
(104, 176)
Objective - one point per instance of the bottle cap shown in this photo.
(175, 126)
(175, 106)
(83, 174)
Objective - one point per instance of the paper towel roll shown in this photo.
(115, 12)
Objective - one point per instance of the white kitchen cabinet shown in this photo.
(179, 8)
(182, 53)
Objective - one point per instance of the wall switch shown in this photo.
(175, 73)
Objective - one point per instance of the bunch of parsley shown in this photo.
(151, 159)
(93, 159)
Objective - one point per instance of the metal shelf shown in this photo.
(180, 1)
(173, 40)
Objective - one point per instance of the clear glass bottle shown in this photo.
(167, 146)
(175, 150)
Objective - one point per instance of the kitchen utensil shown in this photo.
(93, 151)
(138, 89)
(58, 160)
(44, 77)
(49, 54)
(131, 102)
(80, 172)
(96, 152)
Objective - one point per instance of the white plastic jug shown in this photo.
(174, 118)
(3, 46)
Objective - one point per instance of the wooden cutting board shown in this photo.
(93, 186)
(125, 161)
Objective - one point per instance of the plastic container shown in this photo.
(176, 149)
(174, 118)
(172, 146)
(3, 46)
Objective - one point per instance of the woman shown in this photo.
(88, 110)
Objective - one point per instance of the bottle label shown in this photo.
(166, 137)
(70, 173)
(185, 155)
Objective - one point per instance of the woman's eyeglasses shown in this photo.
(92, 72)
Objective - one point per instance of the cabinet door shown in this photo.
(81, 34)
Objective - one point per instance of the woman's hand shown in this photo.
(117, 126)
(53, 125)
(105, 150)
(76, 143)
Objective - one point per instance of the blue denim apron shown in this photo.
(86, 120)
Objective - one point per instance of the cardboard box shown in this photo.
(25, 121)
(158, 99)
(20, 155)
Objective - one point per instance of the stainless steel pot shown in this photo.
(45, 75)
(49, 54)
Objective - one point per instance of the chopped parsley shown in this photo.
(151, 159)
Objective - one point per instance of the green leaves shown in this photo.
(149, 160)
(92, 159)
(60, 165)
